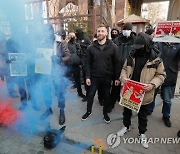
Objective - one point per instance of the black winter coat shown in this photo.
(124, 47)
(103, 63)
(170, 54)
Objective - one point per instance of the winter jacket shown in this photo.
(124, 46)
(75, 58)
(153, 71)
(103, 63)
(63, 52)
(170, 54)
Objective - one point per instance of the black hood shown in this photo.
(79, 34)
(149, 46)
(114, 36)
(115, 28)
(108, 43)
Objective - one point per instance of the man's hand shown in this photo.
(124, 80)
(88, 82)
(117, 82)
(149, 87)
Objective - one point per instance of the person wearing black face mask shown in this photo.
(83, 43)
(72, 40)
(142, 65)
(114, 33)
(75, 62)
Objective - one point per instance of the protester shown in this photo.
(142, 65)
(124, 42)
(99, 92)
(3, 55)
(170, 54)
(40, 80)
(102, 64)
(83, 42)
(75, 62)
(12, 47)
(59, 71)
(114, 33)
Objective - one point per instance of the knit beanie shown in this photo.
(127, 26)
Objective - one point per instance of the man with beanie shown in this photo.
(114, 33)
(102, 64)
(124, 42)
(142, 65)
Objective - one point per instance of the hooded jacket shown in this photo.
(170, 54)
(124, 46)
(114, 28)
(102, 63)
(153, 71)
(83, 43)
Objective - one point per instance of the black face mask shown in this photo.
(72, 40)
(140, 52)
(113, 36)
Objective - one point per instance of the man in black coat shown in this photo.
(83, 43)
(102, 64)
(170, 54)
(124, 43)
(75, 62)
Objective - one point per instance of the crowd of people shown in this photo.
(103, 65)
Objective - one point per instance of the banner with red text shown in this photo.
(167, 31)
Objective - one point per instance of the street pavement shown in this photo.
(80, 135)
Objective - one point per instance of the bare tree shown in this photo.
(155, 12)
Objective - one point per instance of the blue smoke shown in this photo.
(36, 89)
(26, 36)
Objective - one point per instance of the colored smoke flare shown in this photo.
(8, 115)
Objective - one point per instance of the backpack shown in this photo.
(52, 137)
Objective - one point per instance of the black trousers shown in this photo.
(11, 81)
(105, 84)
(76, 71)
(142, 118)
(115, 94)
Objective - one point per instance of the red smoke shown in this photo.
(8, 115)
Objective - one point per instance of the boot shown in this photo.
(84, 99)
(167, 121)
(80, 94)
(61, 117)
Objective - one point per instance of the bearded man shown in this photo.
(102, 64)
